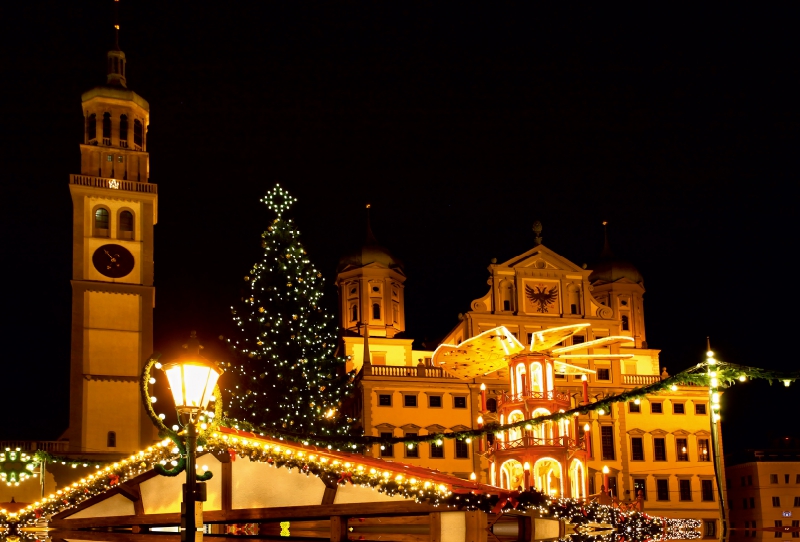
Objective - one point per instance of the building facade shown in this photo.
(660, 445)
(115, 209)
(764, 493)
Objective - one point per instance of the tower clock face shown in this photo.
(113, 261)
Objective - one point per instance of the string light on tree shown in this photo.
(286, 376)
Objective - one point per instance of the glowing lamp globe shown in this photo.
(192, 379)
(192, 382)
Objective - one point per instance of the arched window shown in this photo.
(123, 130)
(106, 128)
(111, 439)
(354, 313)
(491, 405)
(376, 311)
(536, 378)
(625, 325)
(138, 134)
(101, 223)
(91, 128)
(126, 225)
(507, 295)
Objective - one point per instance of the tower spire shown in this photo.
(370, 236)
(606, 245)
(116, 58)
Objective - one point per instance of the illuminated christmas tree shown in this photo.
(286, 374)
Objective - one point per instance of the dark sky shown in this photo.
(461, 123)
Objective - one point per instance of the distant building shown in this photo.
(660, 445)
(764, 492)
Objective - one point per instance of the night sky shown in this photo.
(460, 123)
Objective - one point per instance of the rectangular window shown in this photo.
(700, 408)
(578, 339)
(639, 485)
(797, 502)
(607, 441)
(752, 502)
(678, 408)
(437, 451)
(462, 449)
(797, 479)
(435, 401)
(785, 478)
(685, 487)
(796, 531)
(773, 478)
(603, 373)
(656, 407)
(662, 489)
(459, 402)
(710, 528)
(659, 449)
(778, 525)
(633, 408)
(384, 399)
(410, 400)
(703, 453)
(637, 449)
(776, 502)
(412, 450)
(387, 450)
(612, 486)
(681, 449)
(707, 489)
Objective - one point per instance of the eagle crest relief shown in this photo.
(541, 297)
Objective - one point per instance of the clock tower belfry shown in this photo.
(114, 210)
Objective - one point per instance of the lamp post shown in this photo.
(192, 379)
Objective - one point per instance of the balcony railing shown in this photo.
(113, 184)
(405, 371)
(33, 445)
(525, 442)
(540, 395)
(640, 380)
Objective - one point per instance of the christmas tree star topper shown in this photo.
(278, 200)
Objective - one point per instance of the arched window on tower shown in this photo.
(354, 313)
(101, 223)
(138, 135)
(111, 439)
(625, 324)
(106, 128)
(376, 311)
(91, 129)
(126, 225)
(123, 130)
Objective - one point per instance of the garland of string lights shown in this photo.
(317, 462)
(711, 373)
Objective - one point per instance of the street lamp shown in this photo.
(192, 379)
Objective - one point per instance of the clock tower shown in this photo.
(114, 210)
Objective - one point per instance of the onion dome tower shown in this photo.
(619, 285)
(370, 282)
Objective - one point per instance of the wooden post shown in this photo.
(338, 529)
(436, 527)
